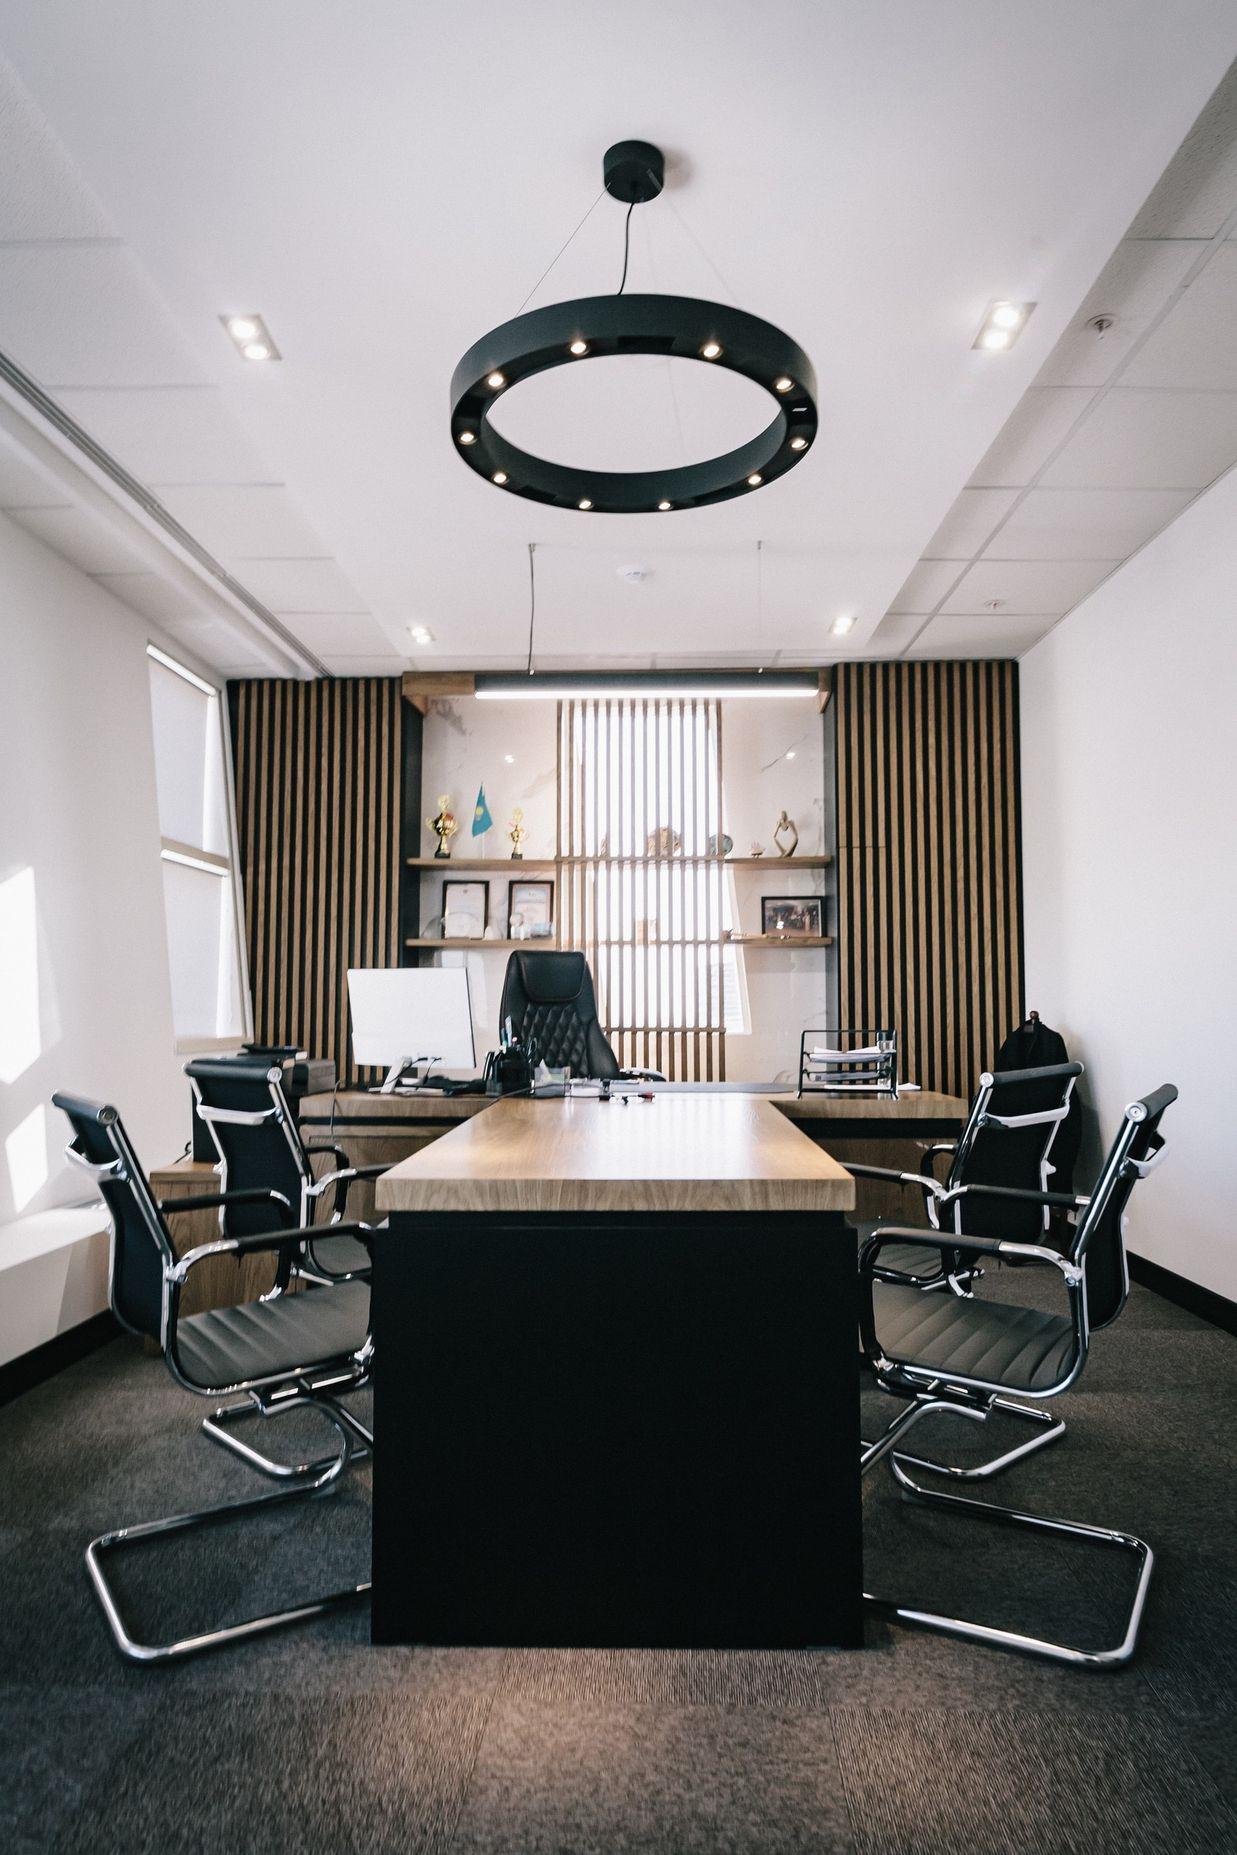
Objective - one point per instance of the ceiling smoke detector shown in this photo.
(634, 576)
(1100, 325)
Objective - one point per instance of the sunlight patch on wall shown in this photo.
(26, 1152)
(20, 1039)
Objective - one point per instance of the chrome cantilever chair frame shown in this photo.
(938, 1389)
(314, 1384)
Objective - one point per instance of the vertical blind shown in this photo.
(643, 883)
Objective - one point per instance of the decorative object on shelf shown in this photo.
(492, 931)
(849, 1062)
(784, 825)
(481, 820)
(443, 825)
(727, 845)
(598, 327)
(465, 910)
(517, 831)
(663, 843)
(792, 917)
(530, 910)
(757, 850)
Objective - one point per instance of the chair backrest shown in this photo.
(255, 1135)
(1099, 1239)
(141, 1247)
(1007, 1140)
(550, 1000)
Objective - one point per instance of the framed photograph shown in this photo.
(465, 910)
(792, 917)
(530, 910)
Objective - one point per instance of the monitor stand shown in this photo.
(399, 1072)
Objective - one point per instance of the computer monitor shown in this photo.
(411, 1014)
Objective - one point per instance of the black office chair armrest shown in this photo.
(341, 1179)
(253, 1194)
(931, 1154)
(919, 1179)
(260, 1241)
(1065, 1201)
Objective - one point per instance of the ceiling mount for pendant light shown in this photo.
(689, 328)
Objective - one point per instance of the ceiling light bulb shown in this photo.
(500, 476)
(243, 328)
(665, 505)
(468, 437)
(995, 338)
(842, 625)
(256, 351)
(584, 503)
(711, 350)
(790, 753)
(420, 634)
(755, 480)
(509, 759)
(1006, 315)
(495, 380)
(579, 347)
(798, 444)
(784, 384)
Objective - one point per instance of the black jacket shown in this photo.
(1029, 1046)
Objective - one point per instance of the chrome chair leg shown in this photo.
(1014, 1639)
(1050, 1427)
(322, 1484)
(216, 1427)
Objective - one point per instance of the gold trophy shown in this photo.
(517, 833)
(443, 826)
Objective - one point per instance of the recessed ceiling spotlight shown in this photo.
(584, 503)
(790, 753)
(578, 347)
(468, 437)
(711, 350)
(755, 480)
(783, 385)
(420, 634)
(251, 336)
(843, 624)
(798, 444)
(499, 477)
(1002, 324)
(509, 759)
(495, 380)
(665, 505)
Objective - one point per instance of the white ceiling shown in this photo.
(384, 183)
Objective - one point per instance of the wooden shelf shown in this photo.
(779, 940)
(782, 863)
(476, 943)
(535, 866)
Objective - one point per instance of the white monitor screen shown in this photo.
(419, 1012)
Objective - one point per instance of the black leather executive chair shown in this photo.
(260, 1147)
(966, 1355)
(548, 996)
(282, 1352)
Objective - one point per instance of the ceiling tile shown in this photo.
(349, 634)
(168, 435)
(926, 585)
(1138, 439)
(41, 193)
(1082, 525)
(82, 541)
(315, 584)
(1198, 189)
(969, 523)
(1031, 434)
(991, 636)
(1132, 287)
(156, 599)
(1026, 587)
(239, 521)
(1194, 345)
(125, 339)
(891, 636)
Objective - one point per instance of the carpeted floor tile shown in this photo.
(639, 1780)
(929, 1782)
(52, 1751)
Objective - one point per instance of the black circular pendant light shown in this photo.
(686, 327)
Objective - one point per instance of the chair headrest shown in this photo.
(551, 977)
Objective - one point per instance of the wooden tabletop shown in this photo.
(353, 1105)
(919, 1105)
(674, 1153)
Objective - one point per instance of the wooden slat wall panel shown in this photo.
(929, 861)
(318, 771)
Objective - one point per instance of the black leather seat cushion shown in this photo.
(910, 1258)
(1014, 1346)
(229, 1346)
(340, 1255)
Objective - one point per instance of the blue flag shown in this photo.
(481, 820)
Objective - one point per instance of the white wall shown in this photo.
(84, 993)
(1129, 781)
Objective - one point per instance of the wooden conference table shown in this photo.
(616, 1380)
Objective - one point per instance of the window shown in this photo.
(200, 892)
(645, 893)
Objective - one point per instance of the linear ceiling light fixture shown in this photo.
(1001, 326)
(591, 327)
(558, 687)
(252, 337)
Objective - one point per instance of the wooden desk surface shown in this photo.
(353, 1105)
(922, 1105)
(679, 1152)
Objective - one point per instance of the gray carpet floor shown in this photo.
(313, 1741)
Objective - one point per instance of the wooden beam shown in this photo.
(825, 689)
(423, 687)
